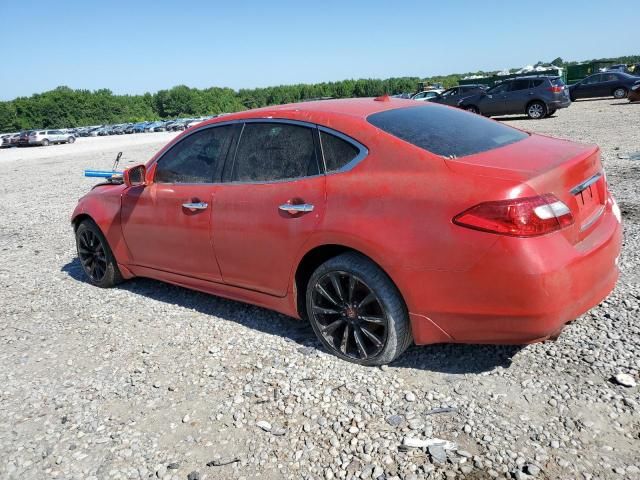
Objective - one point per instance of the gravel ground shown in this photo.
(153, 381)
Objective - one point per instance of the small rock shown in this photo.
(531, 469)
(186, 419)
(173, 466)
(624, 379)
(264, 425)
(410, 397)
(193, 476)
(438, 455)
(395, 420)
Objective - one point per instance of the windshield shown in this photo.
(445, 131)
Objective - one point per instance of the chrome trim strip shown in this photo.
(592, 219)
(584, 185)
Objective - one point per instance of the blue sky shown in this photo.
(139, 45)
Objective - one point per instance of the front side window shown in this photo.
(274, 151)
(195, 158)
(593, 79)
(502, 88)
(336, 151)
(448, 132)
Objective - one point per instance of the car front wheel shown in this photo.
(95, 256)
(357, 312)
(619, 93)
(536, 110)
(472, 109)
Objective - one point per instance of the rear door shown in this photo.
(167, 224)
(272, 200)
(518, 96)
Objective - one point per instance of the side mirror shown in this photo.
(135, 176)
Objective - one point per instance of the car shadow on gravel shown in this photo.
(443, 358)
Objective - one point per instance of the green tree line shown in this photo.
(64, 107)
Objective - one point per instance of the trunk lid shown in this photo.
(570, 171)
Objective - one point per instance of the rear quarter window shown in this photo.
(448, 132)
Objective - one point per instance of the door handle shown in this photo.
(296, 208)
(196, 205)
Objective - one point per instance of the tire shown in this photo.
(619, 93)
(71, 139)
(45, 143)
(472, 109)
(96, 258)
(536, 110)
(350, 298)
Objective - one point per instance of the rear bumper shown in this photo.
(556, 104)
(521, 291)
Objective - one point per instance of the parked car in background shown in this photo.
(634, 93)
(536, 96)
(49, 137)
(299, 228)
(426, 95)
(402, 95)
(607, 84)
(5, 141)
(14, 140)
(452, 96)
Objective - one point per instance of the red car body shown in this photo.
(397, 206)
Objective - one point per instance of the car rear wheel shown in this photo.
(71, 139)
(95, 256)
(356, 311)
(45, 143)
(619, 93)
(472, 109)
(536, 110)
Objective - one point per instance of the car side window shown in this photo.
(195, 158)
(500, 88)
(274, 151)
(536, 83)
(336, 151)
(593, 79)
(519, 85)
(610, 77)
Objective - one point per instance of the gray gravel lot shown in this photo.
(153, 381)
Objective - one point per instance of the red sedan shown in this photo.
(381, 221)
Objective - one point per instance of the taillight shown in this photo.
(555, 89)
(520, 217)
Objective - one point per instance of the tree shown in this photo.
(558, 62)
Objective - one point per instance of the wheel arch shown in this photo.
(316, 256)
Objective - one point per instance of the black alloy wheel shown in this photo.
(350, 316)
(95, 256)
(356, 311)
(92, 255)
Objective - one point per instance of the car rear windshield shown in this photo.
(445, 131)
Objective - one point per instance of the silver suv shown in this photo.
(48, 137)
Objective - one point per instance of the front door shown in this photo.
(167, 224)
(273, 199)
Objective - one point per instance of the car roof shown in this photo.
(354, 108)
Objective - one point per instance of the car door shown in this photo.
(272, 200)
(519, 94)
(588, 88)
(167, 224)
(494, 102)
(450, 97)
